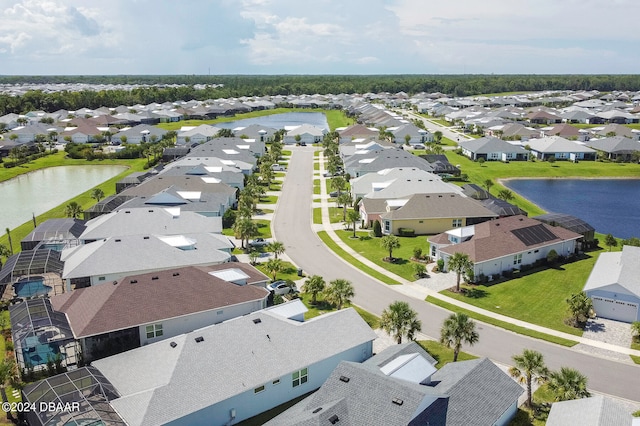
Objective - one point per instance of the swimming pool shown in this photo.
(31, 287)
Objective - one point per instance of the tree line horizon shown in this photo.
(272, 85)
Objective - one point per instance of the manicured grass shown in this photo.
(368, 317)
(543, 293)
(353, 261)
(335, 215)
(268, 199)
(496, 170)
(279, 174)
(371, 249)
(317, 216)
(447, 141)
(542, 398)
(289, 272)
(322, 307)
(502, 324)
(285, 153)
(441, 353)
(316, 187)
(316, 153)
(84, 199)
(635, 359)
(316, 166)
(264, 228)
(440, 121)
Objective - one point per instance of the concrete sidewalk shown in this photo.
(420, 290)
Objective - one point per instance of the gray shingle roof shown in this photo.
(594, 411)
(490, 144)
(621, 268)
(439, 205)
(151, 379)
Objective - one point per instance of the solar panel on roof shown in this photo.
(533, 235)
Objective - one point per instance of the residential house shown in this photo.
(358, 132)
(139, 134)
(614, 285)
(147, 220)
(503, 244)
(230, 150)
(399, 182)
(515, 131)
(83, 134)
(196, 135)
(440, 165)
(432, 213)
(305, 133)
(234, 370)
(611, 130)
(411, 133)
(53, 234)
(400, 386)
(30, 132)
(493, 149)
(593, 411)
(257, 132)
(207, 204)
(360, 164)
(543, 117)
(141, 309)
(114, 258)
(560, 148)
(620, 148)
(500, 207)
(229, 175)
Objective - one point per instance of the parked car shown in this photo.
(277, 168)
(258, 242)
(333, 194)
(303, 144)
(418, 146)
(281, 287)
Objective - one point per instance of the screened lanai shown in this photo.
(42, 266)
(85, 391)
(41, 334)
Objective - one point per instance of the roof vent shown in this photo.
(344, 379)
(317, 410)
(133, 281)
(150, 211)
(199, 339)
(175, 274)
(118, 240)
(145, 238)
(115, 282)
(397, 401)
(257, 321)
(127, 211)
(173, 344)
(155, 277)
(334, 419)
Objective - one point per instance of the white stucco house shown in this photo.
(614, 285)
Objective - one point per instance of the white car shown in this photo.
(277, 168)
(280, 287)
(259, 242)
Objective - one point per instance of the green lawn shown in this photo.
(268, 199)
(316, 187)
(335, 215)
(495, 170)
(371, 249)
(441, 353)
(264, 228)
(84, 199)
(290, 271)
(502, 324)
(542, 397)
(353, 261)
(543, 293)
(447, 141)
(316, 166)
(285, 153)
(316, 153)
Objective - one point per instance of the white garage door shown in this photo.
(615, 309)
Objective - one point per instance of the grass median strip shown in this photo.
(503, 324)
(353, 261)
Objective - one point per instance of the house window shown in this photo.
(421, 221)
(387, 226)
(154, 330)
(101, 278)
(219, 312)
(276, 382)
(517, 259)
(456, 223)
(299, 377)
(258, 389)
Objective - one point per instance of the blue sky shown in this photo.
(319, 37)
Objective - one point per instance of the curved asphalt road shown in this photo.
(292, 226)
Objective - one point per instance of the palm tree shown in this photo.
(313, 285)
(339, 293)
(459, 263)
(456, 330)
(73, 210)
(400, 320)
(4, 252)
(568, 384)
(9, 238)
(610, 241)
(581, 308)
(529, 367)
(276, 247)
(505, 194)
(353, 218)
(488, 183)
(338, 183)
(97, 194)
(390, 242)
(344, 200)
(635, 329)
(437, 136)
(245, 228)
(273, 266)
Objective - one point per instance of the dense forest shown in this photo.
(260, 85)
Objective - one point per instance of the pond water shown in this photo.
(611, 206)
(279, 121)
(41, 190)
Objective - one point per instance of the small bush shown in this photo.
(377, 229)
(508, 273)
(417, 253)
(552, 256)
(440, 263)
